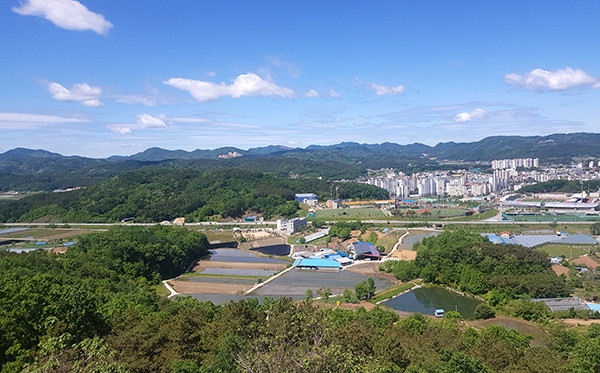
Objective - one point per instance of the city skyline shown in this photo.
(97, 78)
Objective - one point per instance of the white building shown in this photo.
(290, 226)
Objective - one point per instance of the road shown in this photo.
(263, 223)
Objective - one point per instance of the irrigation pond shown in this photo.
(426, 299)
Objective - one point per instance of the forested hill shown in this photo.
(25, 169)
(153, 195)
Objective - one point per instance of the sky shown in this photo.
(106, 77)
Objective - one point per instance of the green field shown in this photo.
(224, 236)
(366, 212)
(552, 218)
(567, 251)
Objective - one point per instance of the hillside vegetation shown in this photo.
(153, 195)
(94, 309)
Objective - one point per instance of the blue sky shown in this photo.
(104, 77)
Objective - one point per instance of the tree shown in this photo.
(350, 296)
(372, 238)
(324, 293)
(308, 295)
(484, 311)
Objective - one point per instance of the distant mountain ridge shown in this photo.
(547, 148)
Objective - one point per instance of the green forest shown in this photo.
(95, 309)
(471, 263)
(153, 195)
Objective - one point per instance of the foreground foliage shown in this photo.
(93, 309)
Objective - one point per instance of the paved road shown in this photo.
(263, 223)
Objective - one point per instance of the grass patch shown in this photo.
(333, 299)
(353, 213)
(567, 251)
(395, 290)
(225, 236)
(389, 240)
(485, 215)
(161, 290)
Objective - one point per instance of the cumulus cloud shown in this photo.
(333, 94)
(81, 92)
(467, 116)
(120, 130)
(149, 121)
(540, 80)
(312, 93)
(67, 14)
(143, 121)
(244, 85)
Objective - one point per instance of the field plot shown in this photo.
(567, 251)
(367, 212)
(227, 272)
(296, 282)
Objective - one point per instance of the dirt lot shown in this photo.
(372, 270)
(188, 287)
(578, 322)
(263, 242)
(405, 254)
(559, 270)
(252, 235)
(237, 265)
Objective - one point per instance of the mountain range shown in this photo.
(43, 170)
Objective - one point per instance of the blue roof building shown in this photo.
(316, 263)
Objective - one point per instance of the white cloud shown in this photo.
(120, 129)
(540, 80)
(67, 14)
(211, 73)
(381, 90)
(244, 85)
(30, 121)
(312, 93)
(467, 116)
(143, 121)
(333, 94)
(149, 121)
(81, 92)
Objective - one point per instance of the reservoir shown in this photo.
(425, 300)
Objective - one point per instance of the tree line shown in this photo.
(471, 263)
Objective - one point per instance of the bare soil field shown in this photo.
(186, 287)
(372, 270)
(405, 254)
(559, 270)
(256, 235)
(580, 322)
(237, 265)
(263, 242)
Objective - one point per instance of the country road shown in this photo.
(263, 223)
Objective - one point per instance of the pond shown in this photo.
(425, 300)
(411, 239)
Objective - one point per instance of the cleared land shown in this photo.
(193, 287)
(372, 270)
(237, 265)
(567, 251)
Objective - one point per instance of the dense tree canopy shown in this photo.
(153, 195)
(478, 266)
